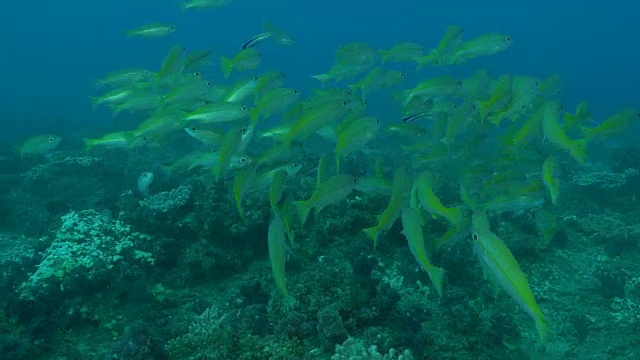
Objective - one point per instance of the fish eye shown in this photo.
(295, 92)
(243, 159)
(401, 74)
(295, 164)
(377, 122)
(244, 130)
(507, 39)
(51, 139)
(475, 237)
(193, 128)
(255, 78)
(244, 108)
(344, 103)
(144, 138)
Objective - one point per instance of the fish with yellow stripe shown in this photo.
(499, 263)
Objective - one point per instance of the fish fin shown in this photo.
(226, 65)
(436, 275)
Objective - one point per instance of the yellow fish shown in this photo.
(499, 263)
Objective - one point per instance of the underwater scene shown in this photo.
(339, 180)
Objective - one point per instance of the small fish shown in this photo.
(228, 150)
(278, 35)
(125, 77)
(242, 90)
(581, 117)
(393, 210)
(187, 91)
(269, 81)
(433, 87)
(39, 145)
(246, 59)
(277, 239)
(458, 121)
(204, 4)
(355, 54)
(483, 45)
(315, 119)
(195, 60)
(255, 40)
(406, 51)
(218, 113)
(550, 178)
(441, 55)
(152, 30)
(171, 64)
(554, 132)
(277, 187)
(499, 263)
(413, 231)
(355, 136)
(160, 123)
(614, 125)
(418, 115)
(423, 187)
(210, 138)
(329, 192)
(241, 183)
(547, 226)
(274, 101)
(144, 182)
(121, 139)
(113, 97)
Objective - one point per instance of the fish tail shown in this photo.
(227, 66)
(436, 275)
(89, 143)
(372, 233)
(454, 216)
(303, 210)
(432, 58)
(94, 102)
(384, 55)
(588, 132)
(255, 115)
(238, 198)
(578, 149)
(543, 329)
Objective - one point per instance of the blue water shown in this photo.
(53, 51)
